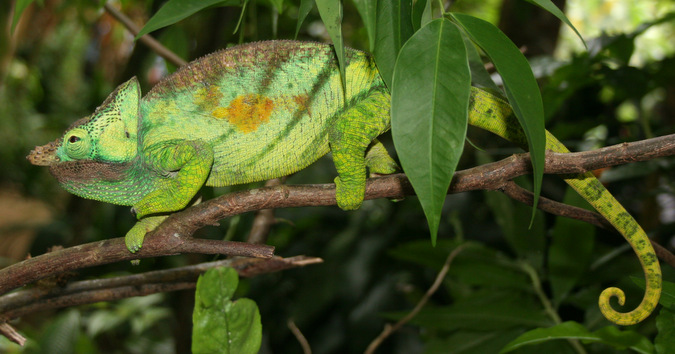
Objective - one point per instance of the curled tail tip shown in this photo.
(640, 313)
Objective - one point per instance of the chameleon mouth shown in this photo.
(44, 155)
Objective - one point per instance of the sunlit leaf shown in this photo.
(555, 11)
(175, 10)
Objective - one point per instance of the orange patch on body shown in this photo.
(246, 112)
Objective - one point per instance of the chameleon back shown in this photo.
(265, 108)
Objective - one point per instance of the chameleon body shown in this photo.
(264, 110)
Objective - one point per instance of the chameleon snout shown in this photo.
(44, 155)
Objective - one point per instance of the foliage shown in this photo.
(221, 325)
(514, 285)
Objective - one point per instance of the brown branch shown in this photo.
(39, 298)
(114, 250)
(157, 47)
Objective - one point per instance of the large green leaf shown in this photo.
(429, 112)
(175, 10)
(368, 11)
(221, 325)
(331, 15)
(493, 312)
(520, 84)
(394, 27)
(571, 248)
(665, 339)
(573, 330)
(470, 342)
(555, 11)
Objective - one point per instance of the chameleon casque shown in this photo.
(264, 110)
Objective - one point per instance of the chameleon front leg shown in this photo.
(350, 136)
(134, 238)
(183, 167)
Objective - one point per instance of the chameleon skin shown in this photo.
(493, 114)
(265, 110)
(249, 113)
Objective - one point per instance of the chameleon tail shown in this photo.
(493, 114)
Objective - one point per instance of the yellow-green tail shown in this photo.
(493, 114)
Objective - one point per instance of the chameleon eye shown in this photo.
(77, 144)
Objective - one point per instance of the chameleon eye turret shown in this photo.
(77, 145)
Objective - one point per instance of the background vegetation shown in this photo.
(64, 57)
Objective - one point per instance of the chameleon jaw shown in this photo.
(45, 155)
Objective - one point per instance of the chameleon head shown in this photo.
(109, 135)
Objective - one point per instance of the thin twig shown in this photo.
(389, 329)
(157, 47)
(306, 349)
(11, 334)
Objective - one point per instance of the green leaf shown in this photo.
(221, 325)
(331, 15)
(429, 112)
(573, 330)
(471, 342)
(555, 11)
(305, 7)
(521, 88)
(368, 11)
(571, 248)
(665, 339)
(175, 10)
(19, 7)
(394, 27)
(497, 311)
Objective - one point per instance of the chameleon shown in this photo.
(263, 110)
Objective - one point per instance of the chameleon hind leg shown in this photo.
(350, 136)
(378, 160)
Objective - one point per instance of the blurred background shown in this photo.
(63, 58)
